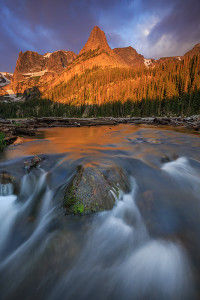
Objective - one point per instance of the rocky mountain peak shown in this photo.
(33, 65)
(96, 40)
(194, 50)
(197, 47)
(130, 56)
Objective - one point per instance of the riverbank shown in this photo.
(13, 128)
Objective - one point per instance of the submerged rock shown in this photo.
(6, 184)
(33, 162)
(6, 178)
(95, 189)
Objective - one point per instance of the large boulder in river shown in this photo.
(95, 189)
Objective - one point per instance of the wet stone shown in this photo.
(6, 184)
(33, 162)
(6, 178)
(95, 189)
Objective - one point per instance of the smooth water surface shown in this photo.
(146, 247)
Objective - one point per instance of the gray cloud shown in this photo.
(182, 23)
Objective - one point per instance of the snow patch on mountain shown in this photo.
(32, 74)
(6, 74)
(47, 55)
(3, 80)
(11, 96)
(147, 62)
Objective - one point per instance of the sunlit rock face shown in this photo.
(59, 60)
(99, 51)
(96, 40)
(54, 69)
(29, 63)
(130, 56)
(32, 67)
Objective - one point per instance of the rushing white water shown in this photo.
(184, 174)
(6, 189)
(147, 247)
(121, 261)
(158, 270)
(119, 258)
(15, 212)
(8, 211)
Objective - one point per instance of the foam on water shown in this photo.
(6, 189)
(157, 270)
(121, 261)
(12, 212)
(184, 174)
(8, 211)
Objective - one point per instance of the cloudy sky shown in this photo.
(155, 28)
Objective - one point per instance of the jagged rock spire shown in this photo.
(96, 40)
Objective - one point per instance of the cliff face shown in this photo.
(130, 56)
(59, 60)
(32, 62)
(33, 65)
(29, 61)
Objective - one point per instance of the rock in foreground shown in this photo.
(6, 184)
(94, 189)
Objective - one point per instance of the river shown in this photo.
(146, 247)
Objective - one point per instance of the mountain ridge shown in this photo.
(52, 69)
(32, 64)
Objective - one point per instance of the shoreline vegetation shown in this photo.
(11, 129)
(187, 105)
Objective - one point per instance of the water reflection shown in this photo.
(126, 140)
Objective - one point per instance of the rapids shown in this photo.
(146, 247)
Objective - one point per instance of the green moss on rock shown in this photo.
(94, 189)
(78, 209)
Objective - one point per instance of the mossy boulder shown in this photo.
(95, 189)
